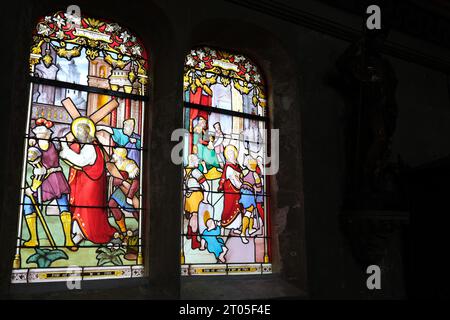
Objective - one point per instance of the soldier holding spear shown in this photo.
(49, 180)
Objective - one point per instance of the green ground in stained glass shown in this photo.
(85, 256)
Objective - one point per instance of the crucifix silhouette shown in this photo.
(96, 117)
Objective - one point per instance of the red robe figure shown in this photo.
(87, 181)
(230, 185)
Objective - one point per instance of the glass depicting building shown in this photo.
(225, 219)
(81, 211)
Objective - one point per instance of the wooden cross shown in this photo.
(96, 117)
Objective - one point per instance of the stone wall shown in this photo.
(311, 256)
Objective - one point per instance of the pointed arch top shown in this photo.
(73, 38)
(205, 66)
(224, 165)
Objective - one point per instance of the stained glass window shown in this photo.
(225, 218)
(80, 214)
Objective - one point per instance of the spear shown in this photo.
(41, 218)
(34, 157)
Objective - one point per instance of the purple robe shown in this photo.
(55, 184)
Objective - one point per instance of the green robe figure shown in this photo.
(205, 148)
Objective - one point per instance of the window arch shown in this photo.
(80, 215)
(225, 220)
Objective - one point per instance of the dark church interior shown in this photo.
(363, 117)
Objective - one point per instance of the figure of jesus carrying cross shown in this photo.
(89, 163)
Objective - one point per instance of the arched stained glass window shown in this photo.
(225, 220)
(80, 215)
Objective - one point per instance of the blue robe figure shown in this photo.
(214, 243)
(123, 140)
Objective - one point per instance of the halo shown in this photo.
(82, 120)
(230, 147)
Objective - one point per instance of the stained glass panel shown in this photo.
(90, 52)
(218, 79)
(80, 213)
(225, 222)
